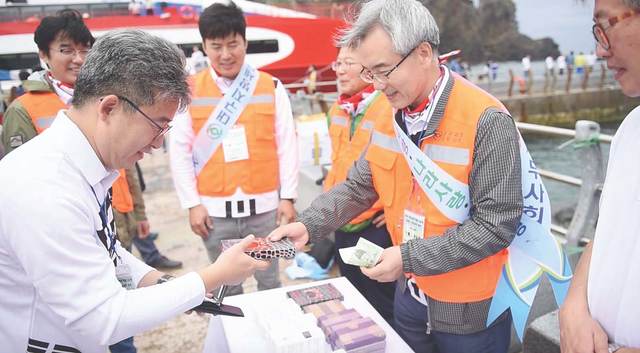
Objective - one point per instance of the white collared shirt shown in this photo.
(57, 282)
(614, 272)
(182, 138)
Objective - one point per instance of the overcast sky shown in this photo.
(568, 22)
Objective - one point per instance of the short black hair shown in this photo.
(220, 20)
(67, 23)
(23, 75)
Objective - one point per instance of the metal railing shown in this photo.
(586, 139)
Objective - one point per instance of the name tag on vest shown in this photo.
(235, 146)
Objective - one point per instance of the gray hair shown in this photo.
(136, 65)
(634, 4)
(408, 23)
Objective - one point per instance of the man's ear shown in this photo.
(426, 52)
(106, 106)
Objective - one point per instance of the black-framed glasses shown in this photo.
(383, 77)
(161, 130)
(600, 27)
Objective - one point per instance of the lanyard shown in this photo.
(434, 97)
(110, 236)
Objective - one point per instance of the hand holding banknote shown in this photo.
(364, 254)
(388, 268)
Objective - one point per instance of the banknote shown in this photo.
(364, 254)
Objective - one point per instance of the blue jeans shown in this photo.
(124, 346)
(147, 248)
(411, 323)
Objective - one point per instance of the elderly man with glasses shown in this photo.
(601, 313)
(351, 122)
(447, 170)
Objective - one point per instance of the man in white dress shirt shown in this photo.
(602, 311)
(66, 284)
(234, 155)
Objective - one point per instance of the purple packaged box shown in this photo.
(315, 294)
(348, 326)
(324, 308)
(360, 338)
(336, 318)
(378, 347)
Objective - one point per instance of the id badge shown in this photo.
(412, 226)
(234, 145)
(123, 274)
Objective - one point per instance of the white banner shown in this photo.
(224, 116)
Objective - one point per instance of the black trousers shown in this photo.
(380, 295)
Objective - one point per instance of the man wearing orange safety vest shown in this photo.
(447, 170)
(351, 122)
(234, 155)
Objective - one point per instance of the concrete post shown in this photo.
(593, 172)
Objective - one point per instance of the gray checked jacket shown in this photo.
(496, 207)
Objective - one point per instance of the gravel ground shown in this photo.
(185, 333)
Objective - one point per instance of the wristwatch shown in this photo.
(614, 347)
(165, 278)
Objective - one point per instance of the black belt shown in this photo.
(36, 346)
(241, 207)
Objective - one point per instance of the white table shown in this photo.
(240, 334)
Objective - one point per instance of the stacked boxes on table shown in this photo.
(296, 333)
(344, 329)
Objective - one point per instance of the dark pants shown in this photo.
(380, 295)
(124, 346)
(411, 324)
(147, 248)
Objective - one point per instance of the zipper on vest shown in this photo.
(428, 316)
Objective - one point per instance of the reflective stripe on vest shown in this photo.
(447, 154)
(42, 108)
(209, 101)
(121, 198)
(44, 122)
(385, 141)
(346, 150)
(259, 173)
(340, 120)
(393, 180)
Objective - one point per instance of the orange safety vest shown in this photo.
(260, 172)
(43, 107)
(393, 180)
(121, 198)
(345, 151)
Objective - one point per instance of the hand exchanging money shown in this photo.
(364, 254)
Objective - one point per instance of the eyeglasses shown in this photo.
(383, 77)
(161, 130)
(600, 28)
(66, 51)
(339, 65)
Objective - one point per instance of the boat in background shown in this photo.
(282, 42)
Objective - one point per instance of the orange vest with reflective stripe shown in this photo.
(260, 172)
(42, 107)
(345, 151)
(452, 149)
(121, 198)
